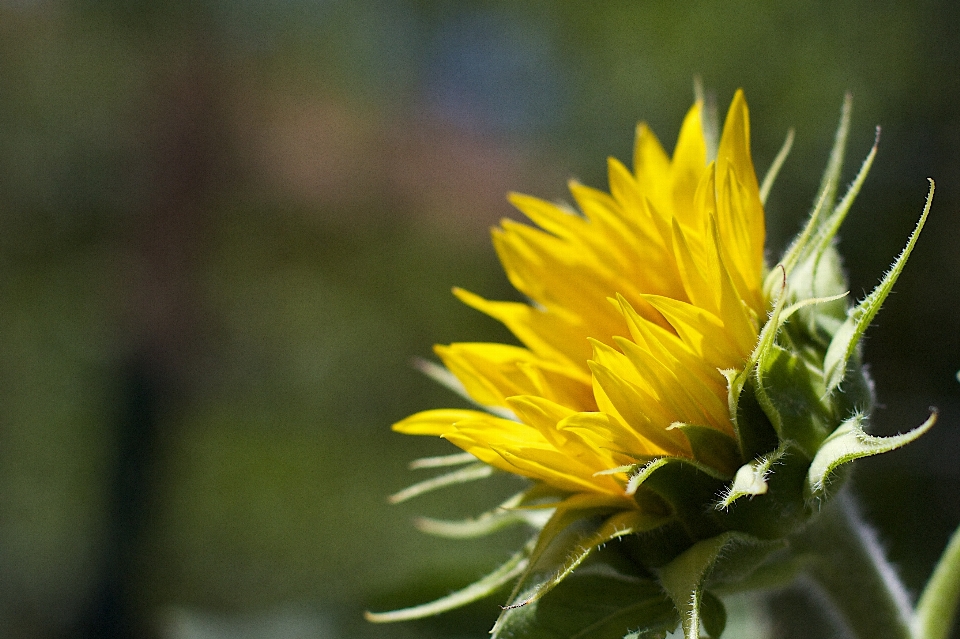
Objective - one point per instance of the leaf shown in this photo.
(755, 434)
(477, 590)
(599, 601)
(831, 177)
(619, 525)
(845, 341)
(713, 614)
(850, 442)
(937, 606)
(571, 510)
(685, 578)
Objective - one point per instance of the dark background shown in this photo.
(226, 227)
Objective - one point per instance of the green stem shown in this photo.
(848, 566)
(938, 603)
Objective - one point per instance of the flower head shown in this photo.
(672, 391)
(638, 301)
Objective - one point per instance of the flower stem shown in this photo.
(849, 569)
(938, 603)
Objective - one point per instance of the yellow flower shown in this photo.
(638, 301)
(665, 374)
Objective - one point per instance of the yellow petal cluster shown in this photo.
(638, 300)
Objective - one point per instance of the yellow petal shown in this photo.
(435, 422)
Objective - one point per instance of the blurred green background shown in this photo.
(226, 228)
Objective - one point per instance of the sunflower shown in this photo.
(665, 374)
(638, 301)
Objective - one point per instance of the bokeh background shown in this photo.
(227, 226)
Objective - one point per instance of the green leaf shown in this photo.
(477, 590)
(683, 580)
(755, 434)
(780, 570)
(937, 607)
(831, 177)
(721, 560)
(600, 601)
(712, 614)
(844, 343)
(574, 509)
(850, 442)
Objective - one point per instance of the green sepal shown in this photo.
(830, 226)
(799, 249)
(778, 511)
(711, 447)
(544, 576)
(780, 570)
(604, 599)
(831, 176)
(820, 277)
(727, 556)
(752, 432)
(790, 391)
(508, 513)
(755, 434)
(850, 442)
(475, 591)
(858, 391)
(818, 272)
(686, 487)
(575, 517)
(775, 167)
(751, 479)
(462, 475)
(844, 343)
